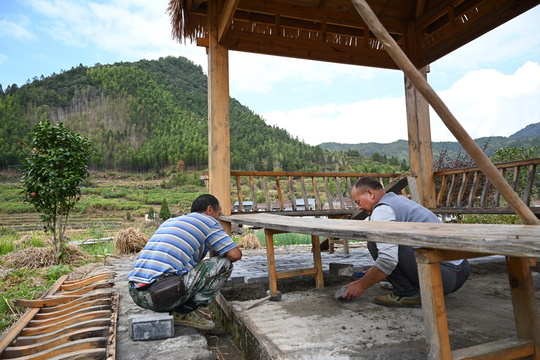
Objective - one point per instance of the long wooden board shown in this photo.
(510, 240)
(73, 320)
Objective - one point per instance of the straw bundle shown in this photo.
(249, 241)
(129, 241)
(38, 257)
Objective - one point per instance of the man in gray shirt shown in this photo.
(397, 263)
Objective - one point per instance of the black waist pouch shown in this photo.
(166, 290)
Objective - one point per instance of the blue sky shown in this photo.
(491, 85)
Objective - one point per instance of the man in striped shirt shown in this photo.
(171, 273)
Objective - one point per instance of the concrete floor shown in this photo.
(312, 324)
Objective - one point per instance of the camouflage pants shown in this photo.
(202, 284)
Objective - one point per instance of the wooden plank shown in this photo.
(84, 305)
(70, 285)
(266, 194)
(37, 321)
(17, 328)
(34, 329)
(253, 193)
(474, 187)
(29, 349)
(524, 301)
(111, 341)
(71, 349)
(462, 187)
(271, 261)
(485, 192)
(341, 199)
(39, 303)
(239, 194)
(328, 194)
(511, 240)
(280, 194)
(440, 196)
(530, 181)
(80, 300)
(88, 288)
(497, 196)
(316, 174)
(295, 272)
(511, 348)
(304, 193)
(450, 195)
(318, 203)
(291, 192)
(444, 113)
(433, 307)
(317, 261)
(28, 340)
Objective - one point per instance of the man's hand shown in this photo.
(357, 288)
(353, 290)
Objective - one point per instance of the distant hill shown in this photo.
(146, 116)
(529, 131)
(526, 137)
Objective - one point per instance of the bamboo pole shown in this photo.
(414, 75)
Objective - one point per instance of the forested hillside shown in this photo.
(144, 116)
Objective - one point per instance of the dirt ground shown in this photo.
(478, 313)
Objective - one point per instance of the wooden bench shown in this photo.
(436, 242)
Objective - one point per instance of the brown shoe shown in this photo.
(194, 319)
(392, 300)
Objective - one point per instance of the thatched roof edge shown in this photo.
(184, 24)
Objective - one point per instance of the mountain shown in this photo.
(145, 116)
(526, 137)
(529, 131)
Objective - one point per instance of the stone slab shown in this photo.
(150, 326)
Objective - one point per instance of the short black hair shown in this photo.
(200, 204)
(364, 183)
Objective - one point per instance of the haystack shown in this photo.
(250, 241)
(129, 241)
(38, 257)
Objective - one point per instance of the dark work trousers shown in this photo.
(405, 280)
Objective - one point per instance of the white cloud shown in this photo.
(16, 29)
(485, 102)
(489, 103)
(132, 30)
(377, 120)
(3, 58)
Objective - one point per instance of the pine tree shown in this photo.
(164, 212)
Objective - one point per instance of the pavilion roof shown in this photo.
(332, 30)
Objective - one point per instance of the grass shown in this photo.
(285, 239)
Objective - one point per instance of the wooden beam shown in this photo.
(511, 240)
(225, 19)
(420, 150)
(446, 116)
(305, 50)
(219, 157)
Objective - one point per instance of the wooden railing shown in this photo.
(458, 191)
(296, 193)
(467, 190)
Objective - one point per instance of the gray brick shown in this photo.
(150, 326)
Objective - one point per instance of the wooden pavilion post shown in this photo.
(420, 149)
(219, 159)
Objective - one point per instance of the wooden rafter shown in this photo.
(225, 19)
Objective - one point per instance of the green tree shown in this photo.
(164, 212)
(52, 174)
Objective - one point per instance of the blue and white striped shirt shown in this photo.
(178, 245)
